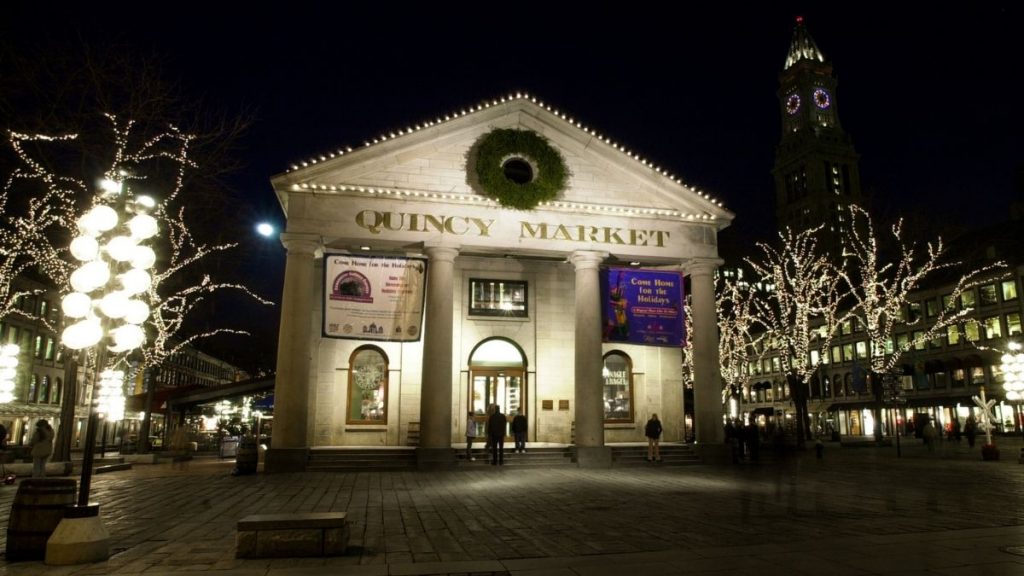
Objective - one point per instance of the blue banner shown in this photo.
(642, 306)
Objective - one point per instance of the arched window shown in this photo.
(367, 386)
(618, 387)
(44, 391)
(58, 391)
(33, 388)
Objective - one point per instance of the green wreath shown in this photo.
(519, 168)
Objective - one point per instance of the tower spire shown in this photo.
(802, 47)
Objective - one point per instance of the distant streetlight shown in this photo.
(265, 229)
(8, 371)
(1013, 376)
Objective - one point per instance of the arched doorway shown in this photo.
(497, 375)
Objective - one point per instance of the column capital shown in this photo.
(585, 259)
(301, 243)
(441, 253)
(703, 266)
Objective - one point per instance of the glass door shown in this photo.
(502, 387)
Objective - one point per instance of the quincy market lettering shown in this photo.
(381, 222)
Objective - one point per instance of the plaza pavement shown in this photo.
(857, 511)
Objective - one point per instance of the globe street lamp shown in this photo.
(1013, 377)
(108, 307)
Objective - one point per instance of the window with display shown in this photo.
(498, 298)
(368, 386)
(617, 374)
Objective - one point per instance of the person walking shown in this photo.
(930, 435)
(653, 432)
(971, 430)
(42, 447)
(496, 427)
(519, 425)
(470, 435)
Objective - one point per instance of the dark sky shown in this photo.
(930, 95)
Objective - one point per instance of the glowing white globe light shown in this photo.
(144, 258)
(85, 248)
(265, 229)
(10, 350)
(5, 394)
(102, 217)
(76, 305)
(135, 281)
(143, 226)
(143, 204)
(136, 311)
(90, 276)
(8, 362)
(110, 187)
(8, 373)
(121, 248)
(114, 304)
(127, 337)
(82, 334)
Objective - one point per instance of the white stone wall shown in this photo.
(547, 340)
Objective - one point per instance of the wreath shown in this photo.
(519, 168)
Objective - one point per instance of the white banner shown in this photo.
(373, 298)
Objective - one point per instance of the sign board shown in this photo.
(642, 306)
(373, 298)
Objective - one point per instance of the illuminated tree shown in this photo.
(882, 289)
(741, 335)
(801, 313)
(159, 165)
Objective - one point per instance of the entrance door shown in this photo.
(504, 387)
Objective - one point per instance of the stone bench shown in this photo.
(292, 534)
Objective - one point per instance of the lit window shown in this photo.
(497, 298)
(992, 328)
(848, 352)
(988, 294)
(1010, 290)
(862, 350)
(33, 388)
(967, 299)
(931, 308)
(919, 343)
(618, 387)
(953, 334)
(368, 386)
(50, 348)
(971, 331)
(977, 375)
(837, 355)
(1013, 324)
(947, 302)
(38, 347)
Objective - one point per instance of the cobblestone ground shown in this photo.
(166, 520)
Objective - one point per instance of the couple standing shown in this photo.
(497, 424)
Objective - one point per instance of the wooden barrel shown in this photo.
(246, 458)
(37, 509)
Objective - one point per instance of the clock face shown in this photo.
(792, 103)
(821, 98)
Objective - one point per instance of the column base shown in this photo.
(594, 456)
(285, 460)
(435, 458)
(80, 538)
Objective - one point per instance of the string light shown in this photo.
(8, 371)
(506, 100)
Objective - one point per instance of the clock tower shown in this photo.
(816, 174)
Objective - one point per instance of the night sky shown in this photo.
(929, 96)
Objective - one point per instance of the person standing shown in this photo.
(519, 425)
(42, 447)
(653, 432)
(496, 426)
(470, 435)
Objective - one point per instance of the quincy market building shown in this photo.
(414, 294)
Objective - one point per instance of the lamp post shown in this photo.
(107, 295)
(1013, 378)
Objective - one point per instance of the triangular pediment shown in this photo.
(431, 161)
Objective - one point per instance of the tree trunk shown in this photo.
(798, 391)
(65, 432)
